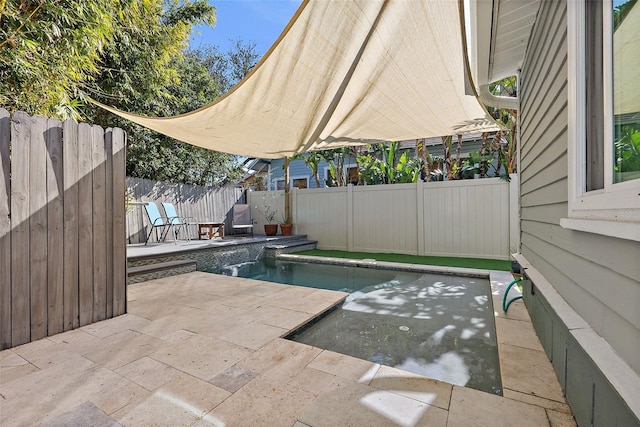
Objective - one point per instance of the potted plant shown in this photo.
(269, 214)
(286, 227)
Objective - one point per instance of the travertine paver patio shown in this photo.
(205, 350)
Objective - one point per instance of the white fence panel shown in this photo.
(385, 218)
(261, 200)
(467, 218)
(322, 214)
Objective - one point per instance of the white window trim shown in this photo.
(615, 210)
(292, 178)
(276, 181)
(345, 169)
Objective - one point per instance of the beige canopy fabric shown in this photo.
(343, 73)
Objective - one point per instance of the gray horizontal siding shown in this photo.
(598, 276)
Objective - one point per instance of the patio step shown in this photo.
(287, 247)
(142, 273)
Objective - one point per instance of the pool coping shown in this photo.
(372, 263)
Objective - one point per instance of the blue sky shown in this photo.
(260, 21)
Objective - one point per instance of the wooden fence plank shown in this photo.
(85, 225)
(201, 203)
(5, 230)
(20, 298)
(55, 223)
(108, 208)
(119, 226)
(38, 225)
(99, 225)
(70, 166)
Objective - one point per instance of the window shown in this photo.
(604, 117)
(350, 175)
(299, 182)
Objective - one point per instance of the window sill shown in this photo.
(620, 229)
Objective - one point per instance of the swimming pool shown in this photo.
(440, 326)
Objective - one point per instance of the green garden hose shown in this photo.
(505, 304)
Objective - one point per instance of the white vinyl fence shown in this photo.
(468, 218)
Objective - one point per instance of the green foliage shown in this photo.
(627, 151)
(49, 49)
(383, 164)
(312, 159)
(621, 11)
(228, 68)
(125, 53)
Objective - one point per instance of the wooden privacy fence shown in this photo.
(62, 226)
(468, 218)
(201, 204)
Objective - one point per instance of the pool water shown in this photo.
(438, 326)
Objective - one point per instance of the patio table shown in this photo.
(210, 229)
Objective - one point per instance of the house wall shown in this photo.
(597, 276)
(297, 169)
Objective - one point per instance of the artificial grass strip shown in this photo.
(486, 264)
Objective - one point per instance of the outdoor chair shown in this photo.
(242, 218)
(176, 222)
(156, 221)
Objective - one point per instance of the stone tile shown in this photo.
(159, 409)
(528, 371)
(51, 392)
(344, 366)
(15, 373)
(11, 360)
(123, 351)
(200, 356)
(299, 424)
(4, 354)
(195, 392)
(538, 401)
(473, 408)
(517, 310)
(78, 341)
(148, 373)
(270, 291)
(280, 360)
(233, 379)
(252, 335)
(281, 317)
(262, 402)
(54, 377)
(162, 327)
(244, 301)
(56, 354)
(112, 400)
(178, 336)
(155, 310)
(214, 324)
(560, 419)
(117, 324)
(86, 414)
(517, 333)
(319, 301)
(414, 386)
(313, 381)
(26, 349)
(361, 405)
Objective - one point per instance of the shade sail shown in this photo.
(343, 73)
